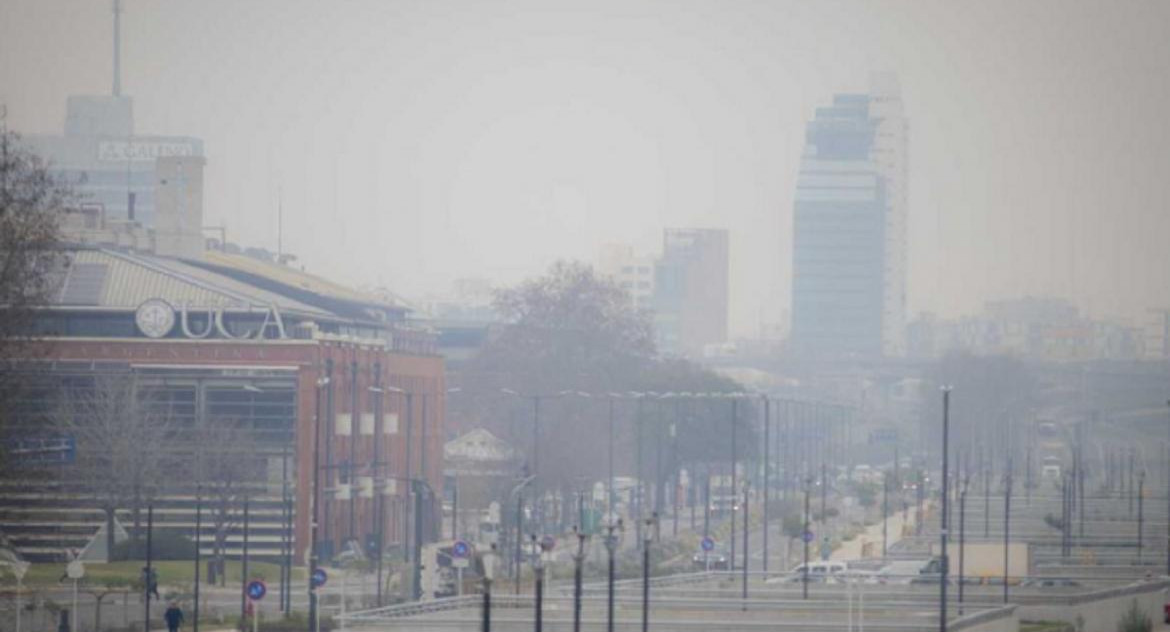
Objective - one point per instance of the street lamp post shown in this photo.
(734, 479)
(488, 561)
(578, 563)
(946, 493)
(962, 533)
(805, 537)
(198, 542)
(885, 513)
(611, 542)
(314, 500)
(538, 580)
(1007, 515)
(767, 474)
(646, 539)
(745, 546)
(1141, 515)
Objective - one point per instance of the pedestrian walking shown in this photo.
(173, 617)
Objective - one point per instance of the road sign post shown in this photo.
(708, 545)
(460, 554)
(256, 590)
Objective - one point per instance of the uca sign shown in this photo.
(156, 319)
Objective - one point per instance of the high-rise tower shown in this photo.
(849, 237)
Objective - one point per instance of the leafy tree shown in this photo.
(31, 205)
(570, 332)
(1135, 620)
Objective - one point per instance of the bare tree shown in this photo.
(31, 206)
(224, 466)
(121, 443)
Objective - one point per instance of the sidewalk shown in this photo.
(852, 549)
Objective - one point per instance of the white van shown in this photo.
(819, 571)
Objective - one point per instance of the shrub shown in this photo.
(164, 546)
(1134, 620)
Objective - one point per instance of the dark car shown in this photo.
(717, 559)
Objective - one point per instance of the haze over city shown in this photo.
(657, 315)
(412, 144)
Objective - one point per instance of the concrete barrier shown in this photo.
(1101, 610)
(997, 620)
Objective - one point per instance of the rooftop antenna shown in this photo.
(117, 48)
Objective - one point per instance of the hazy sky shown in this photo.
(419, 142)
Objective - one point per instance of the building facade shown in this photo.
(692, 290)
(849, 233)
(633, 272)
(120, 174)
(311, 372)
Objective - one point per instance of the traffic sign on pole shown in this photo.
(256, 590)
(319, 577)
(708, 544)
(461, 549)
(808, 536)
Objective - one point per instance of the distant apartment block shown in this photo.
(849, 233)
(633, 272)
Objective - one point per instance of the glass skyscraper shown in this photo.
(849, 233)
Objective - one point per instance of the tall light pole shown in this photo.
(946, 492)
(1167, 509)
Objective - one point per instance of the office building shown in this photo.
(691, 290)
(849, 233)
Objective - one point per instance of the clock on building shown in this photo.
(155, 318)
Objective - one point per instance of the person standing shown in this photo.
(173, 617)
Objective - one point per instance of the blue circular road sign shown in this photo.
(708, 544)
(461, 549)
(257, 590)
(319, 577)
(808, 536)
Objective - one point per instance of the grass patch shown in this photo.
(169, 572)
(1044, 626)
